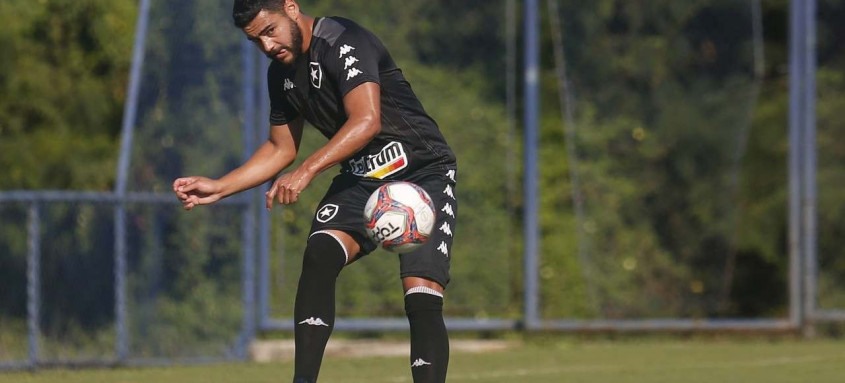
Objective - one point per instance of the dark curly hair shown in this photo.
(243, 11)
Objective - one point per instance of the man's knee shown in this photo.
(324, 250)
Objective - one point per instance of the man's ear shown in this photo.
(292, 9)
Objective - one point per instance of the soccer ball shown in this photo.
(399, 216)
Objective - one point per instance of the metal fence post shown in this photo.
(249, 214)
(264, 219)
(531, 188)
(808, 176)
(127, 133)
(802, 164)
(33, 280)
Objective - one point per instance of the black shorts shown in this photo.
(342, 208)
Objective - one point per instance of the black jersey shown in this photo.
(343, 55)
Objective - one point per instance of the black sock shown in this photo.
(314, 310)
(429, 340)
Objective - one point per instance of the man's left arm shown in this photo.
(363, 108)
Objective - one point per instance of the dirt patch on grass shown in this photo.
(276, 350)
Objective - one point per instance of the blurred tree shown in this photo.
(62, 73)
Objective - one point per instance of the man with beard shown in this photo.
(339, 77)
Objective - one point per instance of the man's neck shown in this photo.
(306, 25)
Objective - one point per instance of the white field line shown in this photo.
(523, 372)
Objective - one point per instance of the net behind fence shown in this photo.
(655, 202)
(830, 113)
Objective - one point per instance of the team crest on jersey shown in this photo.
(389, 160)
(316, 74)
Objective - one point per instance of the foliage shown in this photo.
(63, 76)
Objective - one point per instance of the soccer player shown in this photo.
(339, 77)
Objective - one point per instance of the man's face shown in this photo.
(277, 35)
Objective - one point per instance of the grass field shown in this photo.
(651, 361)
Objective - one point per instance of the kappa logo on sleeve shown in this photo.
(351, 60)
(345, 49)
(352, 73)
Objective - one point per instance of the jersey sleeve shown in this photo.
(354, 59)
(281, 111)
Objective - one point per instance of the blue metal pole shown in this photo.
(33, 282)
(128, 129)
(249, 214)
(131, 107)
(120, 267)
(808, 203)
(796, 110)
(264, 221)
(531, 193)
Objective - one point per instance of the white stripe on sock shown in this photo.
(423, 290)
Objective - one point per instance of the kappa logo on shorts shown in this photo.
(327, 212)
(448, 191)
(443, 248)
(448, 210)
(451, 175)
(446, 229)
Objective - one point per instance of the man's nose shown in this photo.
(266, 44)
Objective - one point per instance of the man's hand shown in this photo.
(288, 186)
(194, 191)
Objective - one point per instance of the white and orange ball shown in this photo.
(399, 216)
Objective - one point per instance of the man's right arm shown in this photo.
(274, 155)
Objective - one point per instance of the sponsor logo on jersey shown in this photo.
(316, 74)
(352, 73)
(419, 363)
(314, 322)
(327, 212)
(345, 49)
(289, 84)
(389, 160)
(351, 60)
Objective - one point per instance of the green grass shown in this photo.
(651, 361)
